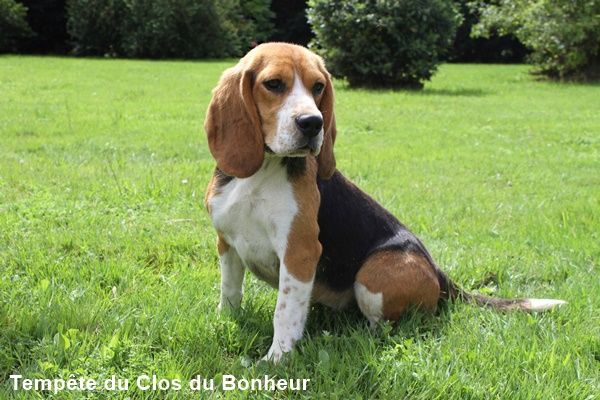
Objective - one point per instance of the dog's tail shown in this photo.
(451, 291)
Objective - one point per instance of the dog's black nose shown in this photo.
(309, 125)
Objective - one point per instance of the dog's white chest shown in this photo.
(254, 216)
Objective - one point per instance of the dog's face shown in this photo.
(277, 99)
(287, 93)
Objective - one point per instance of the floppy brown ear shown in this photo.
(326, 158)
(232, 125)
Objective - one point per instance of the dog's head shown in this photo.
(277, 99)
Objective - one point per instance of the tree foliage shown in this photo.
(564, 35)
(493, 48)
(13, 25)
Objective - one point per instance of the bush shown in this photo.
(381, 43)
(13, 26)
(173, 28)
(167, 28)
(564, 35)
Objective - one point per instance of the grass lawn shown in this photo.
(108, 262)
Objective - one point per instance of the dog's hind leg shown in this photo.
(391, 281)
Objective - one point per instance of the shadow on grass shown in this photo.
(256, 320)
(458, 92)
(413, 322)
(427, 91)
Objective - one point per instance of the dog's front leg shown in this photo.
(293, 301)
(232, 277)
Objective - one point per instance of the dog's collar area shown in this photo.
(222, 177)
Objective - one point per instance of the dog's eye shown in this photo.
(275, 85)
(318, 88)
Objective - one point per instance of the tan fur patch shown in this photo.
(303, 247)
(404, 279)
(210, 192)
(222, 245)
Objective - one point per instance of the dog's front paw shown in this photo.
(223, 308)
(276, 353)
(227, 305)
(273, 357)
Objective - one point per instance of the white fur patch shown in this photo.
(370, 304)
(254, 216)
(541, 304)
(298, 102)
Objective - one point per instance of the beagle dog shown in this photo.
(282, 210)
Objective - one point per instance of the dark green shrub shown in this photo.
(97, 27)
(167, 28)
(383, 43)
(564, 35)
(13, 26)
(174, 29)
(245, 23)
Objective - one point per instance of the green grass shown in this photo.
(108, 263)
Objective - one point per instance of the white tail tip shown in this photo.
(541, 304)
